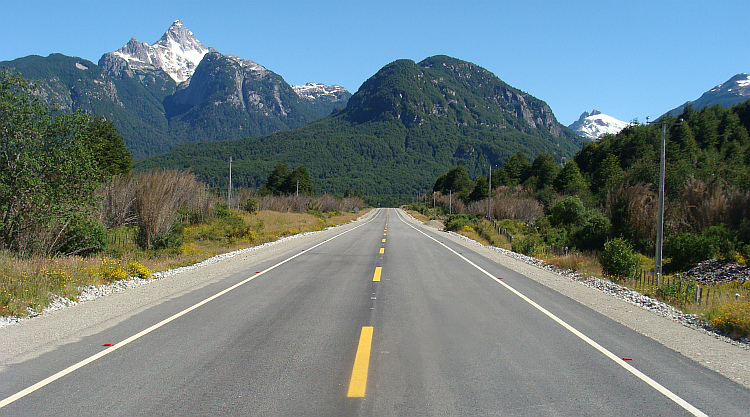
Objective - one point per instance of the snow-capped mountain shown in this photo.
(177, 53)
(318, 91)
(734, 91)
(595, 124)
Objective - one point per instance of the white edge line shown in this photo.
(142, 333)
(658, 387)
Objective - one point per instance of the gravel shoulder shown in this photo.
(649, 317)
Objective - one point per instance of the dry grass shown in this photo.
(29, 284)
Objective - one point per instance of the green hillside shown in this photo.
(406, 125)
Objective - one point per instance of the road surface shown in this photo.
(381, 317)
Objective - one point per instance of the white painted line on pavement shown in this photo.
(140, 334)
(645, 378)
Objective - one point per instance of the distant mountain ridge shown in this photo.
(734, 91)
(156, 101)
(595, 124)
(406, 125)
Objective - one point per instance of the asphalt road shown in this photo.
(379, 318)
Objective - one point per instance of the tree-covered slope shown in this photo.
(406, 125)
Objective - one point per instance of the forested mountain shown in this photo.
(165, 94)
(406, 124)
(707, 176)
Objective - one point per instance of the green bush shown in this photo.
(568, 212)
(170, 239)
(528, 245)
(557, 237)
(618, 258)
(456, 222)
(592, 232)
(251, 205)
(83, 236)
(688, 249)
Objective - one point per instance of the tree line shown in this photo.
(609, 189)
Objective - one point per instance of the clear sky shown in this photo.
(629, 59)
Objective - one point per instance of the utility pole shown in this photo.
(229, 190)
(450, 203)
(489, 197)
(665, 125)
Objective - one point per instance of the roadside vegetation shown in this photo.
(73, 215)
(597, 213)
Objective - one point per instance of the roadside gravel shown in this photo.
(683, 333)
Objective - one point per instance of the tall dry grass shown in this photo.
(640, 205)
(515, 203)
(446, 201)
(151, 201)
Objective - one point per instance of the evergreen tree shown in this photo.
(544, 169)
(517, 168)
(276, 182)
(480, 191)
(456, 180)
(569, 180)
(298, 181)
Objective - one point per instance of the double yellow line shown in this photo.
(358, 382)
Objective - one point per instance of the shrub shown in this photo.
(111, 271)
(618, 258)
(456, 222)
(528, 245)
(557, 237)
(688, 249)
(568, 212)
(83, 236)
(172, 238)
(135, 269)
(592, 232)
(734, 319)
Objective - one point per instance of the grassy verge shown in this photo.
(32, 283)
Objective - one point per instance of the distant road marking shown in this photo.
(378, 272)
(142, 333)
(384, 240)
(358, 383)
(382, 251)
(616, 359)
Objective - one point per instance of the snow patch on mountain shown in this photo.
(732, 92)
(177, 53)
(595, 124)
(317, 91)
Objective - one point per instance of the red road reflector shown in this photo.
(499, 277)
(107, 344)
(627, 359)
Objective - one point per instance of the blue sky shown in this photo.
(629, 59)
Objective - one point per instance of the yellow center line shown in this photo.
(378, 272)
(358, 382)
(382, 251)
(383, 240)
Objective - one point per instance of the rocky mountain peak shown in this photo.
(319, 91)
(734, 91)
(595, 124)
(177, 53)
